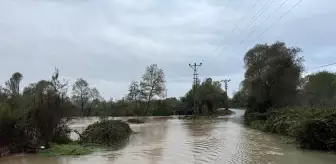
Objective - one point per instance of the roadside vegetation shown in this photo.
(278, 98)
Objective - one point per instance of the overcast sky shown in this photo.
(110, 42)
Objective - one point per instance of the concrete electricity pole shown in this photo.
(226, 81)
(195, 67)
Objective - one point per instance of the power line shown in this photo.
(236, 26)
(258, 14)
(264, 21)
(234, 49)
(281, 17)
(323, 66)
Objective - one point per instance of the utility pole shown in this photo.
(195, 67)
(226, 81)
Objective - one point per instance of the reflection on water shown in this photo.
(173, 141)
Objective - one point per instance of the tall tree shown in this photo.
(320, 88)
(60, 87)
(81, 93)
(94, 98)
(13, 84)
(272, 77)
(85, 96)
(133, 91)
(152, 84)
(209, 94)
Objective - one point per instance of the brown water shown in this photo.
(173, 141)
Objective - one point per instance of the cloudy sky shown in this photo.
(110, 42)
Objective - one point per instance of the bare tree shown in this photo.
(81, 93)
(84, 96)
(152, 84)
(94, 97)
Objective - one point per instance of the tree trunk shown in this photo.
(149, 99)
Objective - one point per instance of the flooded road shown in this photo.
(173, 141)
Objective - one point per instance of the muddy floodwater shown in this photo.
(173, 141)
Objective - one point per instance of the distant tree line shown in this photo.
(38, 114)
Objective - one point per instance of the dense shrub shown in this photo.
(12, 133)
(313, 128)
(62, 134)
(106, 132)
(318, 134)
(251, 117)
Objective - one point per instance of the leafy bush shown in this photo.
(11, 128)
(106, 132)
(251, 117)
(258, 124)
(318, 134)
(135, 121)
(62, 134)
(312, 128)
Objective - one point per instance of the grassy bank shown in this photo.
(312, 128)
(68, 149)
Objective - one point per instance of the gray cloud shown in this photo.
(110, 42)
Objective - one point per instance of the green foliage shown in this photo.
(11, 127)
(318, 133)
(106, 132)
(272, 77)
(209, 95)
(272, 81)
(134, 92)
(313, 128)
(13, 84)
(31, 118)
(69, 149)
(238, 100)
(258, 124)
(84, 96)
(320, 89)
(62, 134)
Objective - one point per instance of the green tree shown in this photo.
(272, 77)
(320, 89)
(238, 100)
(133, 91)
(95, 98)
(209, 95)
(84, 96)
(152, 84)
(13, 84)
(81, 93)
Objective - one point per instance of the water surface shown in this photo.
(173, 141)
